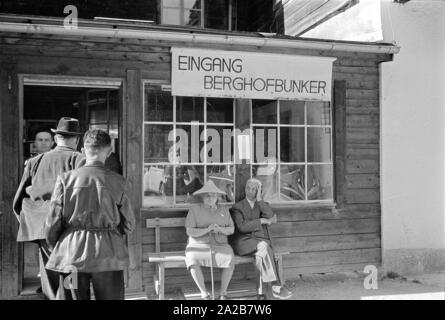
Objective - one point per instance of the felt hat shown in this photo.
(68, 126)
(209, 187)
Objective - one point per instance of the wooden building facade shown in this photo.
(340, 233)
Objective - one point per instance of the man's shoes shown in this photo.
(261, 297)
(222, 297)
(281, 293)
(206, 297)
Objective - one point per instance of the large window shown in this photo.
(292, 149)
(187, 141)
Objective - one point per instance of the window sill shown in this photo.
(317, 204)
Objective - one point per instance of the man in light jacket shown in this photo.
(31, 201)
(90, 214)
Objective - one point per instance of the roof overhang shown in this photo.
(196, 36)
(301, 16)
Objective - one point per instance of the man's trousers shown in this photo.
(49, 279)
(108, 285)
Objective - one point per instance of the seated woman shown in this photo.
(208, 225)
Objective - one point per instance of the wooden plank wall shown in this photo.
(320, 239)
(10, 167)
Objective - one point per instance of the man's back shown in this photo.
(48, 166)
(92, 194)
(31, 200)
(88, 217)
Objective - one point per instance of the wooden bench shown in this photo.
(176, 259)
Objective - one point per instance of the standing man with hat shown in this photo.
(32, 199)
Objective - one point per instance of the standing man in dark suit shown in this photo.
(251, 217)
(31, 201)
(90, 214)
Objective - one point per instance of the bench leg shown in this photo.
(161, 277)
(260, 283)
(156, 282)
(279, 260)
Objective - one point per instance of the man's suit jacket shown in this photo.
(31, 201)
(248, 228)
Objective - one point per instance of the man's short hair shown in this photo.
(46, 131)
(96, 139)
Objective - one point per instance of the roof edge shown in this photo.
(201, 38)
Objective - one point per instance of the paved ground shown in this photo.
(349, 286)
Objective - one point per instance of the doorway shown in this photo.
(43, 104)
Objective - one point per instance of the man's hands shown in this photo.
(269, 221)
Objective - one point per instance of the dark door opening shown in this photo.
(43, 106)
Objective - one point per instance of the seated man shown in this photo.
(251, 217)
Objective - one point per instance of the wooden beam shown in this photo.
(11, 168)
(340, 141)
(133, 169)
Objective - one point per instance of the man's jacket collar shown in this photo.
(94, 163)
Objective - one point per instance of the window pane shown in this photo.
(216, 14)
(190, 144)
(292, 144)
(220, 144)
(171, 3)
(158, 104)
(224, 179)
(268, 175)
(265, 144)
(264, 111)
(156, 144)
(97, 107)
(319, 145)
(188, 180)
(319, 182)
(291, 112)
(189, 109)
(292, 182)
(171, 16)
(318, 113)
(220, 110)
(191, 4)
(155, 179)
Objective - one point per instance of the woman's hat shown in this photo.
(209, 187)
(68, 126)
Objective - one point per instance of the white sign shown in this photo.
(251, 75)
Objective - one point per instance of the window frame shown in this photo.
(182, 9)
(318, 202)
(175, 123)
(278, 125)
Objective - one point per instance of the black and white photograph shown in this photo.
(252, 152)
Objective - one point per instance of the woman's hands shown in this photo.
(214, 228)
